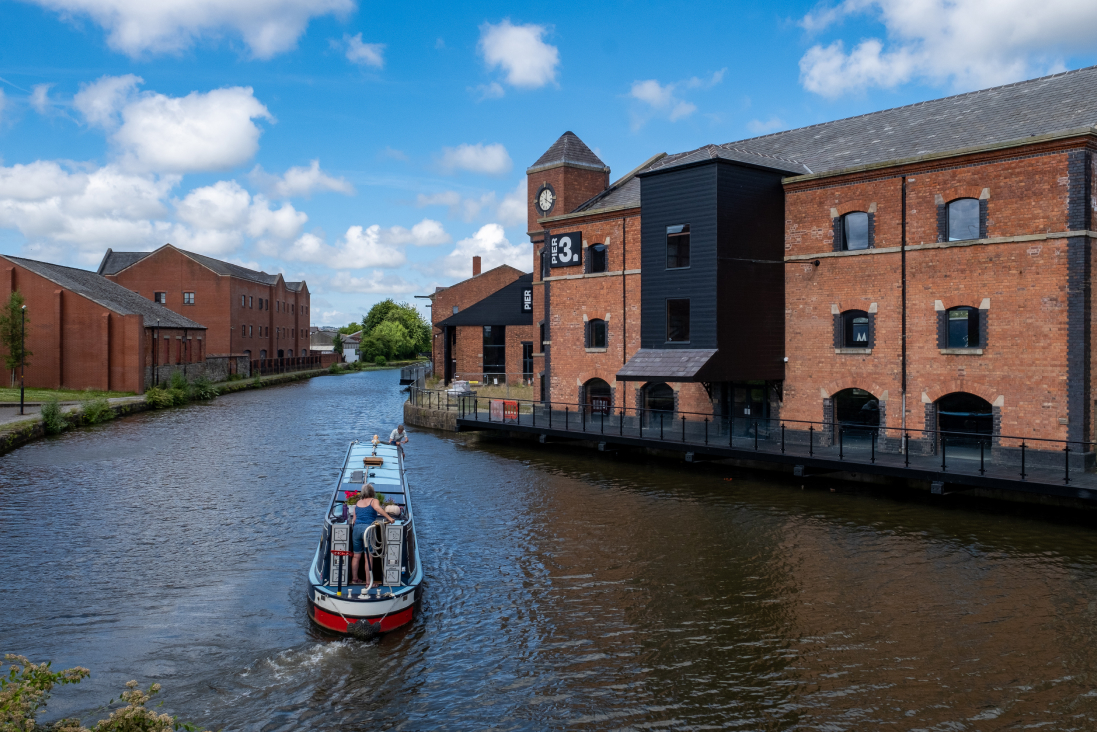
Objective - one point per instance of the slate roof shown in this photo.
(624, 193)
(1051, 104)
(114, 262)
(110, 295)
(502, 307)
(733, 152)
(568, 149)
(670, 364)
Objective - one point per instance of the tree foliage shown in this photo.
(11, 333)
(337, 343)
(394, 330)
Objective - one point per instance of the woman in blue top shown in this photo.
(366, 511)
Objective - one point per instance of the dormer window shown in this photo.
(855, 231)
(963, 219)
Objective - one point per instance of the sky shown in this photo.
(372, 150)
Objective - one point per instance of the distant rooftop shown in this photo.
(114, 262)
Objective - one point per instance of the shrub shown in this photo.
(380, 361)
(335, 369)
(179, 397)
(177, 381)
(52, 416)
(203, 388)
(96, 410)
(257, 380)
(235, 377)
(158, 398)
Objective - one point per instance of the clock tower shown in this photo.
(568, 174)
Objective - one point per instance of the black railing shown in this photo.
(267, 366)
(939, 451)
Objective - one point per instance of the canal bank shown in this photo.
(1036, 484)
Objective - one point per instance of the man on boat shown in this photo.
(398, 437)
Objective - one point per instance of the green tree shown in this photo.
(337, 343)
(415, 326)
(11, 333)
(393, 340)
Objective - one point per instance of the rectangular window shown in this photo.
(495, 349)
(188, 298)
(542, 337)
(251, 301)
(243, 301)
(598, 258)
(160, 297)
(678, 246)
(527, 360)
(251, 330)
(963, 328)
(678, 321)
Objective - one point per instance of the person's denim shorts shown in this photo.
(357, 541)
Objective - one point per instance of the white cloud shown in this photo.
(39, 98)
(215, 219)
(299, 181)
(968, 44)
(494, 90)
(761, 127)
(664, 99)
(513, 210)
(490, 243)
(479, 158)
(102, 100)
(510, 211)
(363, 54)
(520, 52)
(140, 27)
(372, 247)
(378, 282)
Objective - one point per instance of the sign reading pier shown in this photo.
(566, 250)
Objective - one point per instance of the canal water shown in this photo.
(566, 588)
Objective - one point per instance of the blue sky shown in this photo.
(372, 150)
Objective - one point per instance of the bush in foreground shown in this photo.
(158, 398)
(27, 686)
(96, 410)
(53, 418)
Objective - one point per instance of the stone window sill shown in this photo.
(595, 350)
(854, 351)
(961, 351)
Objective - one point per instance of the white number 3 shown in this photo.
(566, 255)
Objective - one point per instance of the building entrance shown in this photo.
(964, 420)
(597, 397)
(658, 404)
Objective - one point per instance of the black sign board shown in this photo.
(527, 299)
(566, 250)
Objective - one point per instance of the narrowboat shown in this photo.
(387, 597)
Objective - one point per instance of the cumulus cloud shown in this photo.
(40, 98)
(372, 247)
(479, 158)
(665, 99)
(968, 44)
(363, 54)
(101, 101)
(510, 211)
(491, 245)
(299, 181)
(139, 27)
(526, 60)
(215, 219)
(377, 282)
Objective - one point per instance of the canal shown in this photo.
(565, 588)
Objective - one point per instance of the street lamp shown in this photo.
(22, 356)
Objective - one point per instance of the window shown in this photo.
(963, 327)
(678, 321)
(596, 334)
(495, 349)
(251, 301)
(855, 328)
(527, 361)
(243, 301)
(188, 298)
(160, 297)
(251, 330)
(542, 328)
(678, 246)
(855, 231)
(598, 258)
(963, 219)
(454, 309)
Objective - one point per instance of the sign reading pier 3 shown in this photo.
(566, 250)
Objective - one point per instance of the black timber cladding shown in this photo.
(735, 281)
(502, 307)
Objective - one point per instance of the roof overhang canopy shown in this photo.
(670, 364)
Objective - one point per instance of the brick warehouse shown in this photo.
(86, 332)
(248, 313)
(935, 256)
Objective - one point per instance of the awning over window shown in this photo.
(670, 364)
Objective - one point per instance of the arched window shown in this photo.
(856, 329)
(855, 231)
(855, 408)
(597, 396)
(962, 327)
(597, 258)
(596, 333)
(963, 219)
(659, 398)
(263, 354)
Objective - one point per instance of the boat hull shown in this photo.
(351, 625)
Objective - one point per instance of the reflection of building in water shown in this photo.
(781, 276)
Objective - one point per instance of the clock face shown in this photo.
(545, 199)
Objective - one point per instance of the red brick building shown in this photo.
(249, 313)
(936, 256)
(482, 326)
(86, 332)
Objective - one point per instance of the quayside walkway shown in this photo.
(948, 461)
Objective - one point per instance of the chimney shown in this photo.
(475, 266)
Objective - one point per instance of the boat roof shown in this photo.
(386, 478)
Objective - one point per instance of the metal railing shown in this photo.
(265, 366)
(416, 374)
(512, 385)
(939, 451)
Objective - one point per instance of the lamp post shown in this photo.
(22, 356)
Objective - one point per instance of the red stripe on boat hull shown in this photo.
(336, 622)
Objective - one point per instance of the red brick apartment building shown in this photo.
(86, 332)
(482, 327)
(927, 266)
(248, 313)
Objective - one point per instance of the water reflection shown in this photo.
(565, 588)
